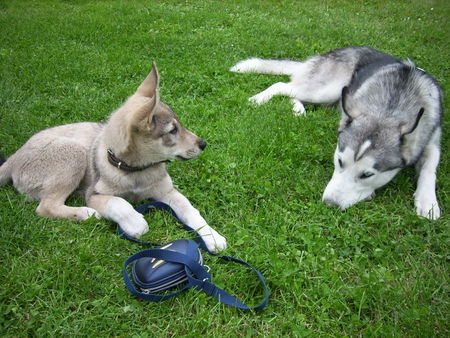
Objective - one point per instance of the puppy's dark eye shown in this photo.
(340, 163)
(366, 175)
(174, 131)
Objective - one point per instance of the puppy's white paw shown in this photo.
(87, 213)
(120, 211)
(427, 207)
(134, 225)
(245, 66)
(259, 99)
(214, 241)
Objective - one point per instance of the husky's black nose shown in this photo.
(202, 144)
(329, 202)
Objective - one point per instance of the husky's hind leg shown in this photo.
(308, 90)
(425, 195)
(279, 88)
(276, 67)
(298, 107)
(316, 80)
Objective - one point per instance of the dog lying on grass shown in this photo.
(124, 159)
(391, 118)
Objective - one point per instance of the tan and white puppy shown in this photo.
(111, 164)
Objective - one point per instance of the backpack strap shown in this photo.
(221, 295)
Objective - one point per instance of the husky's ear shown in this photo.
(149, 87)
(346, 118)
(406, 128)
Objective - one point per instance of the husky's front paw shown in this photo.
(213, 240)
(428, 208)
(245, 66)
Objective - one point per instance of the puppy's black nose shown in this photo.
(202, 144)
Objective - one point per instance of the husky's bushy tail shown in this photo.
(262, 66)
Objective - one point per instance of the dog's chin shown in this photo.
(182, 158)
(347, 204)
(189, 155)
(369, 198)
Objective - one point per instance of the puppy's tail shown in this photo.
(262, 66)
(5, 174)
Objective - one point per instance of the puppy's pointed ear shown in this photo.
(149, 87)
(346, 117)
(142, 117)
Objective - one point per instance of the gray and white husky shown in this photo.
(124, 159)
(391, 118)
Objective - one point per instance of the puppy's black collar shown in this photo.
(119, 164)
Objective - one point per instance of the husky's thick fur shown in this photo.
(124, 159)
(391, 118)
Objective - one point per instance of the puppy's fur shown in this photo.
(391, 118)
(124, 159)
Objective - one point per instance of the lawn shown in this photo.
(374, 270)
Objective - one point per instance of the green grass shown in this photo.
(375, 270)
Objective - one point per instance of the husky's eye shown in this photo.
(366, 175)
(174, 131)
(340, 163)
